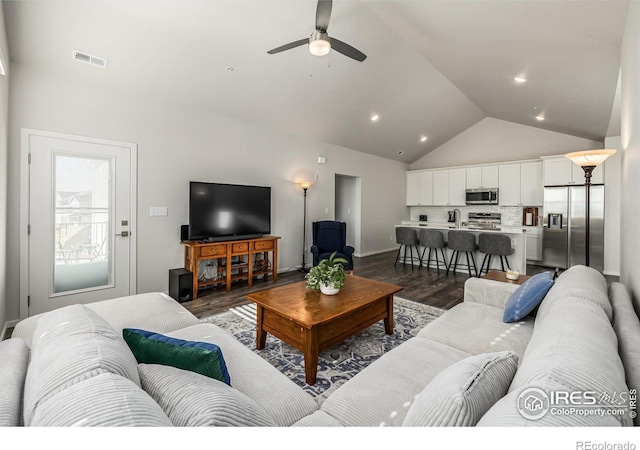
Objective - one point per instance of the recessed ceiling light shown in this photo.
(423, 139)
(375, 117)
(540, 117)
(520, 79)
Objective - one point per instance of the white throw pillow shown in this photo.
(462, 393)
(194, 400)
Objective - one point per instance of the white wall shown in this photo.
(4, 123)
(493, 140)
(612, 210)
(629, 236)
(177, 144)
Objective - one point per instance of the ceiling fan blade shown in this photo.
(323, 14)
(289, 46)
(347, 50)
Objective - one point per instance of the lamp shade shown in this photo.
(305, 184)
(589, 158)
(319, 43)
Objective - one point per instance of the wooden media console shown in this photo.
(246, 258)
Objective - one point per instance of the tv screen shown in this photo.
(228, 211)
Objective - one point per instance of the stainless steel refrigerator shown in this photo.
(564, 232)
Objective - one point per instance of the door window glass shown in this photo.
(82, 237)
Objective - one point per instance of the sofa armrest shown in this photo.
(488, 292)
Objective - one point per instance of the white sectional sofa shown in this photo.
(584, 338)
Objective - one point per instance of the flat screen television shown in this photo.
(220, 212)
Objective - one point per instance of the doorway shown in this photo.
(347, 207)
(78, 228)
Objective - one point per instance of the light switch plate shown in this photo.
(158, 211)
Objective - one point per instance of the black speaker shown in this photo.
(181, 285)
(184, 233)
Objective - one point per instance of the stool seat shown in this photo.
(407, 237)
(494, 244)
(432, 240)
(462, 241)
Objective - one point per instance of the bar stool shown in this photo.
(406, 237)
(433, 240)
(494, 244)
(462, 241)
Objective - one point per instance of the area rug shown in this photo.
(337, 364)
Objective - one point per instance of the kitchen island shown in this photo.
(517, 261)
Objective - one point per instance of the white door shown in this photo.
(80, 224)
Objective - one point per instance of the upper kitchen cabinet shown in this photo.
(449, 187)
(521, 184)
(559, 171)
(531, 186)
(482, 177)
(419, 188)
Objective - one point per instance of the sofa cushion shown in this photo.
(153, 311)
(527, 297)
(490, 333)
(382, 393)
(106, 400)
(14, 354)
(573, 347)
(318, 419)
(200, 357)
(578, 281)
(627, 327)
(194, 400)
(276, 394)
(506, 412)
(69, 345)
(464, 391)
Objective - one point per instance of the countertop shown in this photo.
(518, 230)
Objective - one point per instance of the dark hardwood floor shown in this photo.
(425, 285)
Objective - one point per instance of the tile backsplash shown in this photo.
(511, 215)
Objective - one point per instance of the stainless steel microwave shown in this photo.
(484, 196)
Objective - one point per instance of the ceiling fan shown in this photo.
(319, 42)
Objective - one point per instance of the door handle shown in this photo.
(123, 234)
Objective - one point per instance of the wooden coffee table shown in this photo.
(311, 321)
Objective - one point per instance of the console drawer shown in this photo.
(263, 245)
(213, 250)
(242, 247)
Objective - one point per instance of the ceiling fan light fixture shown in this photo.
(319, 43)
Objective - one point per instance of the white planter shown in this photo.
(328, 289)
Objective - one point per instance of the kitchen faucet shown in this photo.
(457, 213)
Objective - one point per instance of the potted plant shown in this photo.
(327, 276)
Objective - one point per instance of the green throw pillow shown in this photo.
(200, 357)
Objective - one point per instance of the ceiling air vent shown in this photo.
(90, 59)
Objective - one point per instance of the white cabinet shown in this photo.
(441, 187)
(533, 239)
(559, 171)
(509, 185)
(482, 177)
(531, 187)
(419, 188)
(521, 184)
(449, 187)
(457, 194)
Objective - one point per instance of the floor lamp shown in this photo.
(304, 185)
(588, 160)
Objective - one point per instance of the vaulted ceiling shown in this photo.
(433, 68)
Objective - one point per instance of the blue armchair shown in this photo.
(330, 236)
